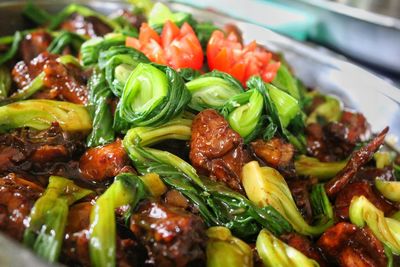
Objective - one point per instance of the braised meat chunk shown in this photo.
(216, 150)
(172, 236)
(276, 153)
(336, 140)
(34, 44)
(89, 26)
(305, 246)
(104, 162)
(350, 246)
(63, 82)
(361, 188)
(31, 150)
(17, 197)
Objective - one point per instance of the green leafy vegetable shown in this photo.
(48, 217)
(282, 111)
(275, 253)
(383, 159)
(362, 212)
(99, 94)
(204, 31)
(5, 82)
(223, 249)
(118, 62)
(329, 111)
(217, 204)
(389, 189)
(213, 90)
(322, 208)
(90, 50)
(65, 39)
(265, 186)
(243, 113)
(160, 13)
(13, 49)
(189, 74)
(40, 114)
(308, 166)
(127, 189)
(152, 95)
(36, 14)
(285, 81)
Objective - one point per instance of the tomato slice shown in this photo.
(175, 47)
(227, 54)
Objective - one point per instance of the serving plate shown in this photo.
(360, 90)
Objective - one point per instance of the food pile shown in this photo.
(148, 138)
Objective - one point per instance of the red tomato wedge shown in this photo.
(177, 48)
(227, 54)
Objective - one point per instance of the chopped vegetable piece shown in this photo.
(48, 217)
(308, 166)
(224, 249)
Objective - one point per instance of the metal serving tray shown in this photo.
(360, 90)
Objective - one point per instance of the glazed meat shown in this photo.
(216, 150)
(34, 44)
(172, 236)
(276, 153)
(300, 191)
(305, 246)
(350, 246)
(335, 141)
(104, 162)
(17, 197)
(89, 26)
(62, 82)
(356, 161)
(25, 149)
(361, 188)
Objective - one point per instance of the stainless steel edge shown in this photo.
(358, 89)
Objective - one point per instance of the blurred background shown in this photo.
(364, 31)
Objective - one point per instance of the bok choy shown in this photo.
(48, 217)
(275, 253)
(40, 114)
(118, 63)
(90, 50)
(212, 90)
(362, 212)
(99, 94)
(308, 166)
(127, 189)
(152, 95)
(224, 249)
(265, 186)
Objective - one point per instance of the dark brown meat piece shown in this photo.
(300, 191)
(357, 160)
(89, 26)
(336, 140)
(172, 236)
(362, 188)
(62, 82)
(305, 246)
(350, 246)
(75, 250)
(101, 163)
(17, 197)
(25, 149)
(276, 153)
(33, 44)
(216, 150)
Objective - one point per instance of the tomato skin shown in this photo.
(175, 47)
(227, 54)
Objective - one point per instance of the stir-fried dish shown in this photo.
(148, 138)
